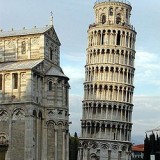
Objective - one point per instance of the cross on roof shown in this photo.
(51, 22)
(51, 14)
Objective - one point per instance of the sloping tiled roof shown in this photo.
(56, 71)
(138, 148)
(19, 65)
(24, 32)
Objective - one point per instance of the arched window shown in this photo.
(15, 80)
(111, 11)
(103, 37)
(34, 113)
(118, 19)
(103, 19)
(23, 45)
(127, 13)
(51, 54)
(103, 127)
(50, 85)
(118, 38)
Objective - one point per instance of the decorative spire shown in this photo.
(51, 22)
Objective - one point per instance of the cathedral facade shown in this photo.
(34, 113)
(108, 88)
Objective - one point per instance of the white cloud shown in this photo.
(147, 68)
(74, 73)
(145, 57)
(145, 114)
(75, 57)
(74, 68)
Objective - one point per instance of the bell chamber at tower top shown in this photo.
(116, 12)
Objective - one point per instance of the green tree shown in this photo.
(73, 147)
(75, 135)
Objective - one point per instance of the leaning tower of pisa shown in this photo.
(108, 88)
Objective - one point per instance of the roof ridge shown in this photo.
(25, 31)
(18, 65)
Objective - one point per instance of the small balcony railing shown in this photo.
(112, 24)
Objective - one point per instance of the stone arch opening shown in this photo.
(103, 18)
(103, 127)
(118, 18)
(18, 133)
(97, 127)
(92, 128)
(50, 86)
(103, 36)
(118, 38)
(111, 11)
(51, 139)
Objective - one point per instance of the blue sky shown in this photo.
(71, 21)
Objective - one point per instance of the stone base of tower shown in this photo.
(103, 150)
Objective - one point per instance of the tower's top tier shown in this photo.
(112, 12)
(114, 1)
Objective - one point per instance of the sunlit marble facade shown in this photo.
(106, 122)
(34, 109)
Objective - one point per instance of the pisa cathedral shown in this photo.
(34, 110)
(106, 122)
